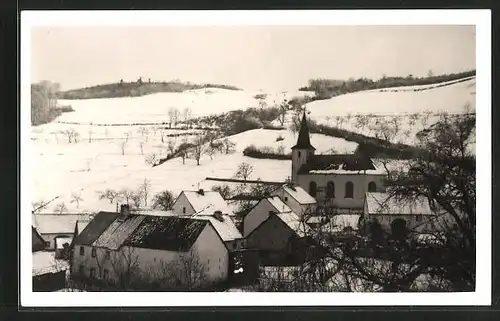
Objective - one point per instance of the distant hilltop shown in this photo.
(135, 89)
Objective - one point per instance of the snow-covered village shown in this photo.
(305, 159)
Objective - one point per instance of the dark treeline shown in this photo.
(328, 88)
(134, 89)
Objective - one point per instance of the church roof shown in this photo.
(303, 141)
(347, 162)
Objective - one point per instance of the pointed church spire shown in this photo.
(303, 141)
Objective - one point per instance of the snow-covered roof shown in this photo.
(46, 262)
(376, 171)
(298, 194)
(207, 202)
(280, 206)
(293, 221)
(226, 228)
(57, 223)
(382, 204)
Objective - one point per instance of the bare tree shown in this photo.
(144, 190)
(144, 132)
(109, 194)
(173, 116)
(244, 171)
(70, 133)
(141, 146)
(60, 208)
(163, 200)
(224, 190)
(137, 198)
(283, 109)
(186, 113)
(125, 266)
(123, 145)
(127, 195)
(183, 150)
(90, 132)
(185, 273)
(151, 159)
(76, 198)
(171, 146)
(198, 147)
(38, 206)
(229, 146)
(127, 135)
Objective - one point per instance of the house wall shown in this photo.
(296, 207)
(256, 216)
(51, 239)
(422, 226)
(272, 235)
(180, 203)
(213, 254)
(37, 243)
(235, 245)
(360, 187)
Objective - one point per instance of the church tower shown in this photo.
(303, 150)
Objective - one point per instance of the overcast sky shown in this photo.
(251, 57)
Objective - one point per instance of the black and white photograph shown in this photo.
(241, 158)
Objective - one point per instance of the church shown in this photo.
(338, 182)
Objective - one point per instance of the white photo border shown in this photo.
(480, 18)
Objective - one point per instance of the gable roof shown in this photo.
(95, 228)
(278, 204)
(117, 232)
(171, 233)
(298, 194)
(382, 204)
(207, 203)
(293, 221)
(226, 229)
(339, 162)
(57, 223)
(303, 141)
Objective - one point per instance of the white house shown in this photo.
(189, 252)
(53, 226)
(416, 214)
(260, 212)
(200, 202)
(338, 182)
(296, 198)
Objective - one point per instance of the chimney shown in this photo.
(218, 216)
(124, 211)
(201, 192)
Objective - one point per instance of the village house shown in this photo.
(280, 239)
(416, 214)
(53, 226)
(260, 212)
(337, 182)
(299, 201)
(128, 249)
(200, 202)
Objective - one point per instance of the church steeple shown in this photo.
(303, 141)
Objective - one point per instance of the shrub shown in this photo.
(264, 153)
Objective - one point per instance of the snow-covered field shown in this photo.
(66, 169)
(365, 112)
(153, 108)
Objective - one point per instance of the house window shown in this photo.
(80, 269)
(106, 274)
(312, 189)
(183, 210)
(349, 190)
(208, 261)
(418, 218)
(286, 199)
(108, 254)
(92, 273)
(372, 187)
(330, 190)
(47, 244)
(93, 252)
(82, 250)
(299, 153)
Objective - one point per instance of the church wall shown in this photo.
(360, 187)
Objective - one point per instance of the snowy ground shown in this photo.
(153, 108)
(67, 169)
(363, 112)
